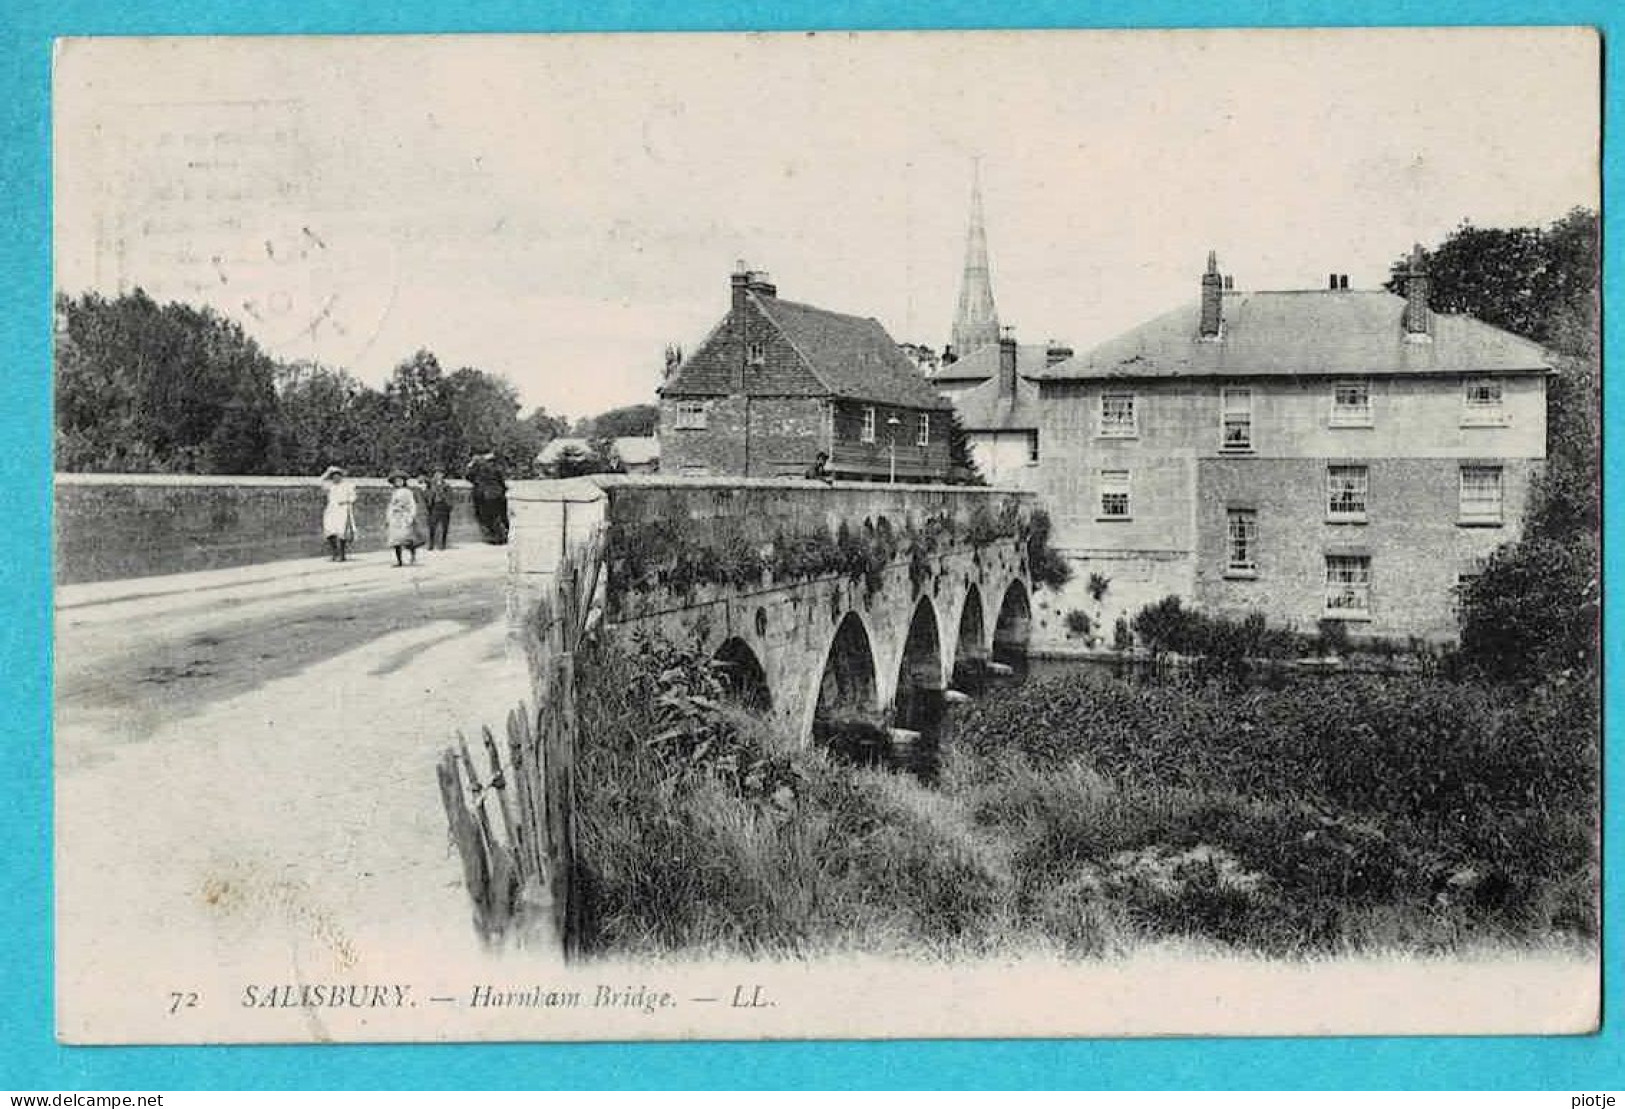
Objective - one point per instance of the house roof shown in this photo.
(1295, 333)
(633, 450)
(852, 356)
(981, 408)
(983, 363)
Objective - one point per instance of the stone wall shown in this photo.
(1412, 534)
(787, 623)
(111, 526)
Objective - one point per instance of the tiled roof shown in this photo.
(1310, 332)
(983, 363)
(981, 408)
(852, 355)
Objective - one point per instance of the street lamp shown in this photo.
(893, 423)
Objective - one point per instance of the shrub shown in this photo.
(1078, 624)
(1122, 636)
(1046, 565)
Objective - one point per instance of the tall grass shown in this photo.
(1337, 815)
(726, 840)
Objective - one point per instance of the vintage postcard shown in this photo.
(760, 536)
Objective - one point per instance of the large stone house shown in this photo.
(1337, 453)
(777, 382)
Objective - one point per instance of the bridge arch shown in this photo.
(919, 671)
(848, 685)
(970, 647)
(1014, 626)
(743, 677)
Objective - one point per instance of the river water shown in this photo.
(930, 714)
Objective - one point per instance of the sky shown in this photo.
(558, 208)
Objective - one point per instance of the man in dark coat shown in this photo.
(490, 497)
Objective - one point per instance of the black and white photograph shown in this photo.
(827, 535)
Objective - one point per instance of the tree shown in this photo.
(962, 468)
(321, 419)
(147, 387)
(1540, 283)
(629, 420)
(1533, 612)
(422, 428)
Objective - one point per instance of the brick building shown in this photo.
(1334, 453)
(776, 382)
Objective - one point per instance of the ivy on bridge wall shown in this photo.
(680, 553)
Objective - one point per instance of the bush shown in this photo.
(1046, 565)
(1078, 624)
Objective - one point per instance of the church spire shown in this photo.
(976, 323)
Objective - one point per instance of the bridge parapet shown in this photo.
(775, 567)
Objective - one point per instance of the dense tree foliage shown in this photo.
(629, 421)
(143, 387)
(1538, 282)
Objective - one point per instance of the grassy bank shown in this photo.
(1336, 815)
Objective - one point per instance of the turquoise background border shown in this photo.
(29, 1056)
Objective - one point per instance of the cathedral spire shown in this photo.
(976, 323)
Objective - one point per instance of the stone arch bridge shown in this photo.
(828, 604)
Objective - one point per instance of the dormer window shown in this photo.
(1481, 403)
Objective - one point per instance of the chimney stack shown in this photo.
(761, 283)
(740, 282)
(1056, 353)
(1212, 299)
(1418, 319)
(1007, 363)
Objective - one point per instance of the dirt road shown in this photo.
(245, 769)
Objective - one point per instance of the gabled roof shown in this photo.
(1314, 332)
(981, 408)
(852, 356)
(983, 363)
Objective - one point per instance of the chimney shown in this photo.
(761, 283)
(741, 284)
(1007, 362)
(1056, 353)
(1212, 299)
(1418, 320)
(1331, 281)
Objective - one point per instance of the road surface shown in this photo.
(245, 772)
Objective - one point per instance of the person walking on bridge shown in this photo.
(490, 496)
(403, 528)
(338, 518)
(437, 492)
